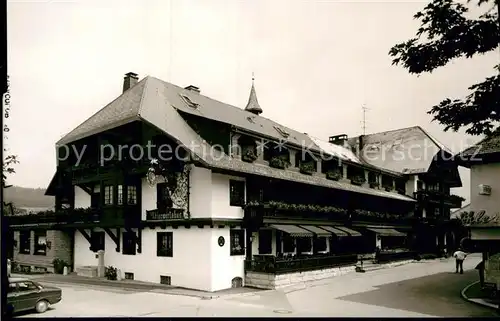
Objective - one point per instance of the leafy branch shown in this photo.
(447, 34)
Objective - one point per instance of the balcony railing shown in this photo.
(168, 214)
(68, 216)
(436, 197)
(274, 265)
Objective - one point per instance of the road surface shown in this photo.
(425, 289)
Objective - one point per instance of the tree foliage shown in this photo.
(446, 34)
(8, 168)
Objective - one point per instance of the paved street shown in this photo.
(423, 289)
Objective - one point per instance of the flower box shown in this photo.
(334, 175)
(278, 162)
(307, 168)
(358, 180)
(387, 188)
(249, 156)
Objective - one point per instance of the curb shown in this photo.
(476, 301)
(166, 291)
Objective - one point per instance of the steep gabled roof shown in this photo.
(126, 109)
(408, 150)
(120, 111)
(157, 102)
(489, 145)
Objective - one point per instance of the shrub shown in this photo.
(59, 265)
(111, 273)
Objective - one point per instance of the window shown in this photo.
(40, 243)
(131, 195)
(97, 240)
(265, 241)
(108, 195)
(303, 244)
(164, 244)
(288, 244)
(163, 200)
(165, 279)
(129, 276)
(25, 242)
(236, 193)
(128, 245)
(419, 186)
(26, 286)
(320, 244)
(119, 191)
(237, 240)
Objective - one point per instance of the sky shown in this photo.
(315, 63)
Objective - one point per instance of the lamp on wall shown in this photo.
(49, 244)
(252, 238)
(15, 244)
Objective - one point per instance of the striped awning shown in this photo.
(293, 230)
(334, 230)
(348, 230)
(386, 232)
(316, 230)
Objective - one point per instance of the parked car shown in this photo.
(25, 294)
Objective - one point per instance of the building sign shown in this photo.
(492, 270)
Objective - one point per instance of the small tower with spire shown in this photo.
(253, 104)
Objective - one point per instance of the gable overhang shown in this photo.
(476, 159)
(73, 138)
(444, 156)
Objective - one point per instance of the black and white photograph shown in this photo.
(250, 158)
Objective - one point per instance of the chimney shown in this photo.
(340, 140)
(129, 81)
(361, 142)
(193, 88)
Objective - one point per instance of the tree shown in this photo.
(447, 34)
(8, 168)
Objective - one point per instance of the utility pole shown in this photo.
(363, 122)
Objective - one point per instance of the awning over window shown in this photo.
(351, 232)
(491, 233)
(386, 232)
(317, 230)
(334, 230)
(293, 230)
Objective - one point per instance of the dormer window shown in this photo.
(282, 132)
(189, 102)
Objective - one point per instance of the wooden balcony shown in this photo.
(62, 217)
(168, 214)
(436, 197)
(91, 172)
(275, 265)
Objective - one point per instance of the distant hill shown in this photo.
(25, 197)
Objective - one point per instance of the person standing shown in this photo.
(459, 256)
